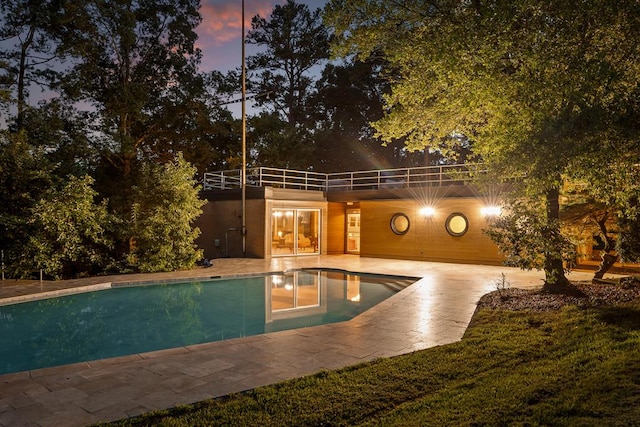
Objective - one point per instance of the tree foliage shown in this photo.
(538, 87)
(24, 173)
(68, 236)
(526, 239)
(349, 98)
(131, 56)
(29, 31)
(138, 68)
(166, 205)
(132, 65)
(293, 43)
(628, 243)
(57, 130)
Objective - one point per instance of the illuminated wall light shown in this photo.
(427, 211)
(491, 211)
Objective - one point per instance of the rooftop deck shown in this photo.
(344, 181)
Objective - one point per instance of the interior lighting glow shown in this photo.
(491, 211)
(427, 211)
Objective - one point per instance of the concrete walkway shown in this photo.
(434, 311)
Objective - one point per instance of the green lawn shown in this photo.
(568, 367)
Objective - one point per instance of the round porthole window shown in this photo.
(400, 223)
(457, 224)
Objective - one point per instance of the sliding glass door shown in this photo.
(295, 231)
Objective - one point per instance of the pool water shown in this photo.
(135, 319)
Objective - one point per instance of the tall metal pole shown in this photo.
(244, 145)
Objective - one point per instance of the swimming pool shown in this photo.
(127, 320)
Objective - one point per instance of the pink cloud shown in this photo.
(219, 32)
(221, 19)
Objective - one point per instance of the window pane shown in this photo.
(308, 231)
(282, 228)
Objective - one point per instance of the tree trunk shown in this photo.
(607, 257)
(605, 264)
(22, 83)
(555, 280)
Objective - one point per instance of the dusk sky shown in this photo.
(219, 35)
(220, 31)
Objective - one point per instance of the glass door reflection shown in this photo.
(294, 294)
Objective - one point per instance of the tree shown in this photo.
(608, 183)
(129, 55)
(272, 142)
(628, 243)
(29, 33)
(68, 237)
(293, 42)
(24, 173)
(190, 120)
(589, 222)
(533, 85)
(137, 67)
(526, 237)
(57, 130)
(348, 98)
(166, 205)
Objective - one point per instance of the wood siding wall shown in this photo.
(336, 229)
(427, 238)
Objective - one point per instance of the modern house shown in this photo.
(429, 213)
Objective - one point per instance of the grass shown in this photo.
(571, 367)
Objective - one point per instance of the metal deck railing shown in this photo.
(344, 181)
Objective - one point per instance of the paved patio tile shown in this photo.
(98, 400)
(20, 386)
(159, 399)
(207, 366)
(70, 416)
(25, 415)
(180, 384)
(60, 397)
(15, 401)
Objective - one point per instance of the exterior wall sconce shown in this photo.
(427, 211)
(491, 211)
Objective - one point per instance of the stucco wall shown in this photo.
(220, 217)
